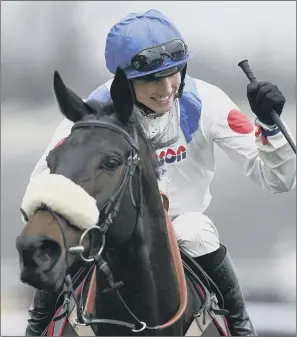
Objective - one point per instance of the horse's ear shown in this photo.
(122, 95)
(71, 105)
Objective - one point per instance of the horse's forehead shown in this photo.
(100, 129)
(102, 136)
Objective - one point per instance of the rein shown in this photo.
(108, 211)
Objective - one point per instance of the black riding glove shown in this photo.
(263, 98)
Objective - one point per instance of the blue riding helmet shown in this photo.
(145, 43)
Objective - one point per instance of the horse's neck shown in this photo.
(145, 266)
(157, 266)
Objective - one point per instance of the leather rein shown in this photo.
(108, 211)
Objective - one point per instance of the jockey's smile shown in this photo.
(158, 94)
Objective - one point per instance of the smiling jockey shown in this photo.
(150, 49)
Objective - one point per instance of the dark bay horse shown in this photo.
(98, 233)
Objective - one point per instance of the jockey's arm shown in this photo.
(271, 164)
(62, 131)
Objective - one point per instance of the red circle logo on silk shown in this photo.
(239, 122)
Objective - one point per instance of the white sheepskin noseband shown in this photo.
(64, 197)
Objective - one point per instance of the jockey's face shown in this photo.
(157, 94)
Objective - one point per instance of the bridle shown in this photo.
(108, 211)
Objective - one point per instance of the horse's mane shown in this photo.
(154, 143)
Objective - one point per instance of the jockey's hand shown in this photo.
(263, 98)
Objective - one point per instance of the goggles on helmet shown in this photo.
(153, 57)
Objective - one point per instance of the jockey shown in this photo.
(154, 56)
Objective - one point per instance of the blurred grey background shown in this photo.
(40, 37)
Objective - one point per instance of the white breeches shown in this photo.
(196, 233)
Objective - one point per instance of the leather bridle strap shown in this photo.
(181, 280)
(91, 296)
(165, 201)
(113, 127)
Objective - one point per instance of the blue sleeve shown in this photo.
(100, 94)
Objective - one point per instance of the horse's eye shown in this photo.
(111, 163)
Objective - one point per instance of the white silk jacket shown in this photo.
(202, 117)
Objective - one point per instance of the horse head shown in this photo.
(98, 203)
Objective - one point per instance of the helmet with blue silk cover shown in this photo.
(150, 37)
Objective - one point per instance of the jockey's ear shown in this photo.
(122, 96)
(71, 105)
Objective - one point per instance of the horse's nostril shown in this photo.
(47, 254)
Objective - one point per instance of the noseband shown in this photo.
(108, 211)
